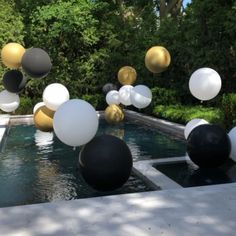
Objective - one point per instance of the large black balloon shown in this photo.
(105, 163)
(14, 81)
(36, 63)
(108, 87)
(208, 146)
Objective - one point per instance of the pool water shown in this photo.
(189, 175)
(36, 167)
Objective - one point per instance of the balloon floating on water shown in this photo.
(208, 146)
(157, 59)
(114, 114)
(127, 75)
(36, 62)
(12, 54)
(205, 84)
(43, 119)
(105, 163)
(75, 122)
(14, 81)
(232, 137)
(192, 124)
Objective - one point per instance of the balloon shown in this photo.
(127, 75)
(232, 137)
(105, 163)
(141, 96)
(108, 87)
(43, 119)
(11, 55)
(54, 95)
(124, 94)
(112, 97)
(157, 59)
(75, 122)
(208, 146)
(114, 114)
(14, 81)
(36, 63)
(192, 124)
(205, 84)
(9, 101)
(38, 105)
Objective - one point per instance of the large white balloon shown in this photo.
(141, 96)
(75, 122)
(232, 137)
(192, 124)
(9, 101)
(54, 95)
(37, 106)
(124, 94)
(205, 84)
(112, 97)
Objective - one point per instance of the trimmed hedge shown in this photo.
(183, 114)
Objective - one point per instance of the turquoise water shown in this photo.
(36, 167)
(188, 175)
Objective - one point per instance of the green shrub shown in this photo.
(229, 109)
(164, 96)
(26, 106)
(183, 114)
(97, 100)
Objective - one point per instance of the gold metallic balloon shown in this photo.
(114, 114)
(43, 119)
(11, 55)
(127, 75)
(157, 59)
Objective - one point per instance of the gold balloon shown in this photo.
(157, 59)
(43, 119)
(114, 114)
(127, 75)
(11, 55)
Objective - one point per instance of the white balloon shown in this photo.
(124, 94)
(192, 124)
(9, 101)
(112, 97)
(37, 106)
(205, 84)
(232, 137)
(141, 96)
(54, 95)
(75, 122)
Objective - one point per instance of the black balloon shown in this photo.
(14, 81)
(208, 146)
(108, 87)
(105, 163)
(36, 63)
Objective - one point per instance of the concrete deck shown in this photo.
(209, 211)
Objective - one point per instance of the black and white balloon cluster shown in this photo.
(208, 145)
(35, 62)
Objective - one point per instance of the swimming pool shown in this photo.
(36, 167)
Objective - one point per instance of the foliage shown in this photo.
(11, 26)
(229, 109)
(183, 114)
(97, 100)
